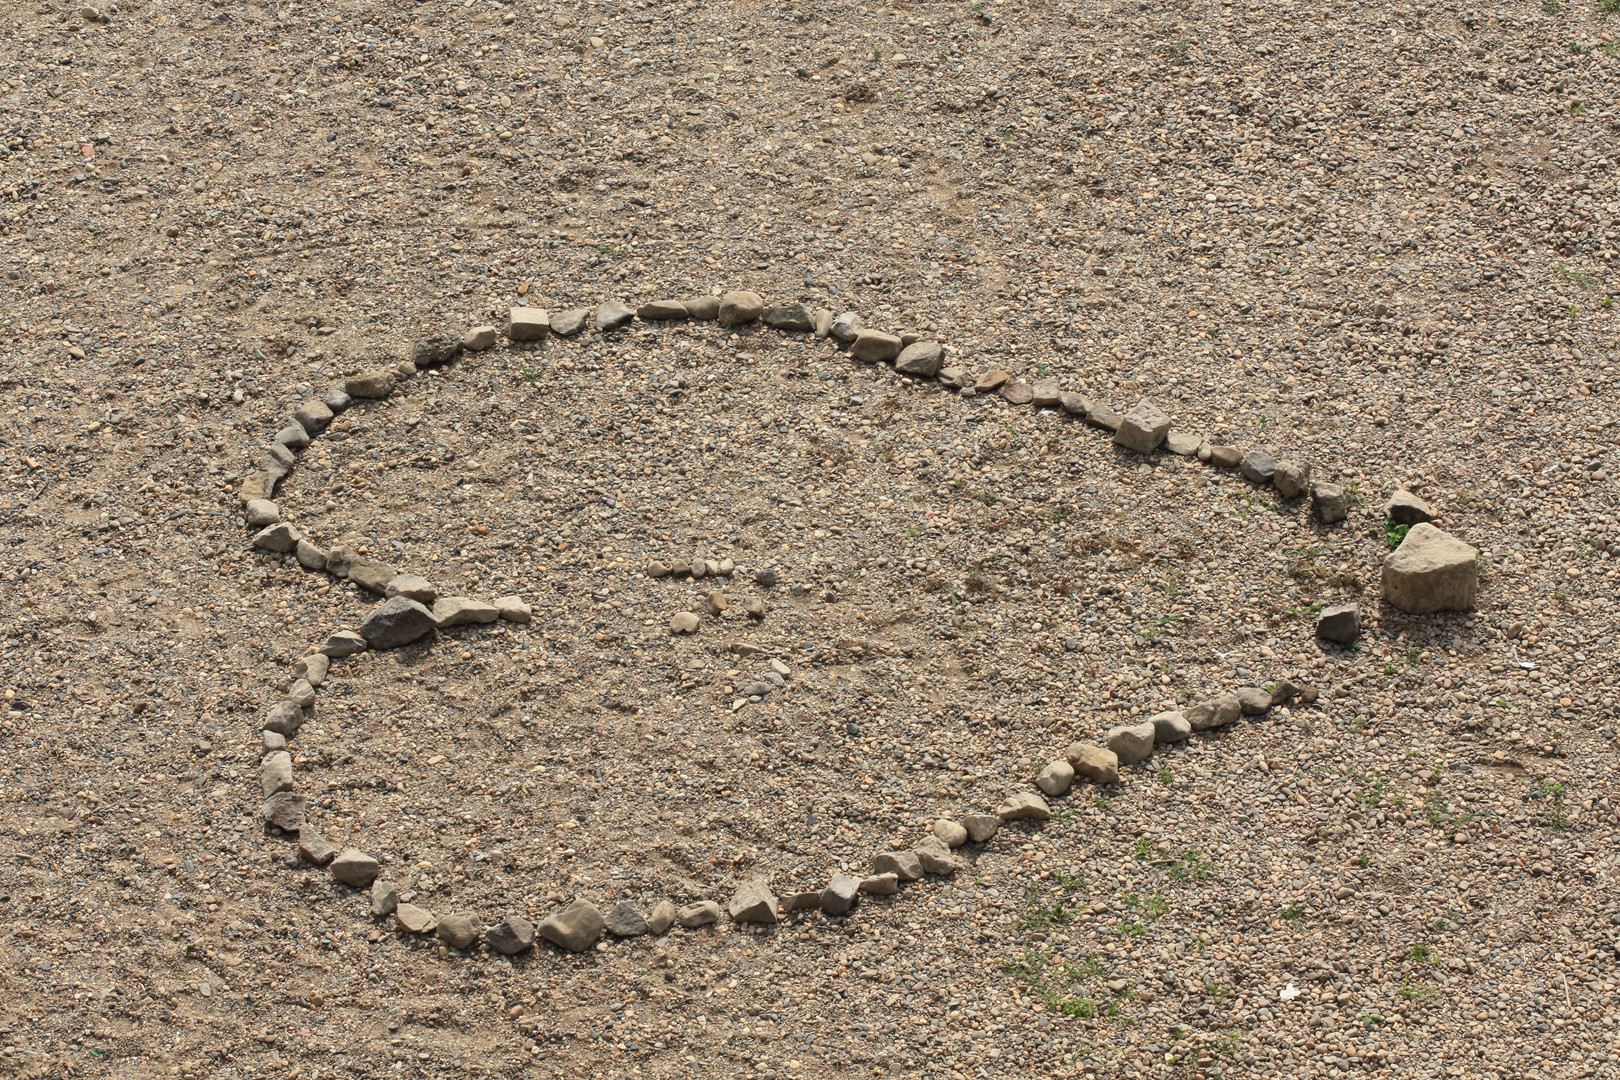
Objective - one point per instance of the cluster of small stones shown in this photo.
(1429, 576)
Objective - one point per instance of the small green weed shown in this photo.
(1394, 534)
(1292, 912)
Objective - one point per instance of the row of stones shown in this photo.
(404, 617)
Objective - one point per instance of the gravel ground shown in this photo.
(1382, 239)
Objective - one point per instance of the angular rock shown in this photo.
(384, 897)
(981, 827)
(337, 400)
(740, 306)
(480, 338)
(1340, 623)
(875, 347)
(272, 741)
(436, 349)
(457, 931)
(936, 857)
(370, 574)
(1018, 392)
(284, 718)
(372, 385)
(309, 556)
(1405, 508)
(659, 310)
(1214, 713)
(570, 322)
(1045, 394)
(301, 693)
(802, 901)
(1169, 727)
(1292, 479)
(416, 920)
(950, 833)
(1184, 445)
(528, 324)
(1258, 466)
(904, 865)
(1284, 692)
(824, 321)
(846, 326)
(510, 936)
(753, 903)
(789, 318)
(1103, 416)
(1093, 762)
(1056, 778)
(459, 610)
(279, 538)
(313, 668)
(1431, 571)
(276, 773)
(1074, 404)
(1131, 743)
(625, 920)
(612, 315)
(1330, 502)
(575, 928)
(703, 308)
(953, 378)
(880, 884)
(840, 894)
(1143, 428)
(1254, 701)
(313, 416)
(1024, 806)
(513, 609)
(684, 622)
(921, 360)
(397, 622)
(354, 867)
(411, 587)
(663, 912)
(699, 914)
(293, 437)
(284, 810)
(991, 381)
(343, 643)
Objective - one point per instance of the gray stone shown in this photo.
(753, 903)
(356, 868)
(1292, 479)
(1258, 466)
(510, 936)
(458, 610)
(950, 832)
(272, 741)
(1018, 392)
(1225, 457)
(921, 360)
(373, 575)
(801, 901)
(514, 610)
(280, 538)
(840, 894)
(397, 622)
(875, 347)
(343, 643)
(739, 307)
(480, 338)
(881, 884)
(1099, 765)
(699, 914)
(1169, 727)
(528, 324)
(1131, 743)
(789, 318)
(1184, 445)
(309, 556)
(259, 485)
(411, 587)
(1254, 701)
(981, 827)
(1024, 806)
(293, 437)
(612, 315)
(262, 512)
(276, 773)
(301, 693)
(1074, 404)
(663, 912)
(936, 857)
(314, 416)
(570, 322)
(1214, 713)
(384, 897)
(284, 718)
(953, 378)
(661, 310)
(1330, 502)
(284, 810)
(415, 919)
(337, 400)
(574, 928)
(824, 321)
(1103, 416)
(625, 920)
(703, 308)
(1045, 394)
(1340, 623)
(846, 326)
(991, 381)
(1056, 778)
(904, 865)
(371, 385)
(1431, 571)
(1143, 428)
(457, 931)
(1405, 508)
(435, 349)
(1285, 691)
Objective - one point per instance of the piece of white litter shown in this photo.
(1288, 993)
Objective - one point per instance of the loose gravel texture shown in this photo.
(1380, 239)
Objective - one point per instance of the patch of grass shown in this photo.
(1192, 866)
(1144, 849)
(1353, 495)
(1292, 912)
(1061, 512)
(1103, 803)
(1394, 534)
(1057, 981)
(1553, 794)
(1166, 777)
(1412, 991)
(1157, 627)
(1370, 1020)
